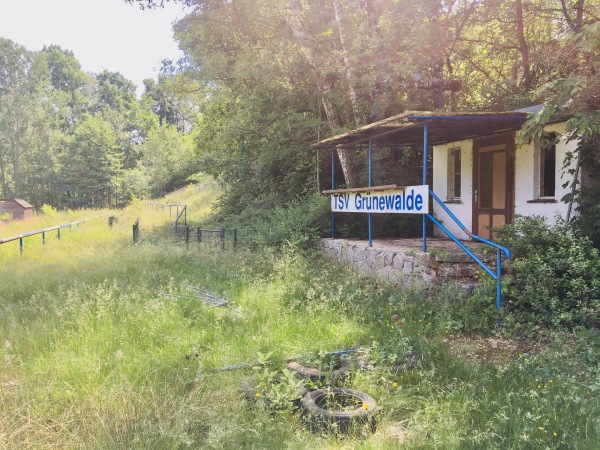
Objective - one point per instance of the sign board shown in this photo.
(408, 200)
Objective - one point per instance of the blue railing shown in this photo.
(499, 248)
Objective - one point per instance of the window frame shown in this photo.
(541, 167)
(454, 174)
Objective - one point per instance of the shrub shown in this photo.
(556, 274)
(298, 224)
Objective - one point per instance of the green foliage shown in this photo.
(298, 225)
(556, 275)
(91, 343)
(276, 389)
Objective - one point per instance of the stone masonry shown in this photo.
(406, 266)
(402, 262)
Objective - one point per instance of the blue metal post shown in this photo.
(499, 285)
(332, 187)
(58, 233)
(499, 280)
(21, 246)
(425, 135)
(43, 237)
(370, 184)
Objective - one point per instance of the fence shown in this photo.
(172, 206)
(216, 238)
(43, 232)
(198, 187)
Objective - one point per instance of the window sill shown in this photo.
(543, 200)
(453, 202)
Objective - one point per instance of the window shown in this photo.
(454, 184)
(547, 168)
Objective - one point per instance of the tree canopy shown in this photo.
(264, 79)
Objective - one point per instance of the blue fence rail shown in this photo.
(497, 275)
(43, 232)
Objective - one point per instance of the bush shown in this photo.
(298, 224)
(556, 275)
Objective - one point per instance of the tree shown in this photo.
(89, 164)
(23, 81)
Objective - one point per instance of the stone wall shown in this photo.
(395, 265)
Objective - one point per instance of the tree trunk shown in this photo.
(349, 66)
(335, 122)
(523, 47)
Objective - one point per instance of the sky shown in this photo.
(103, 34)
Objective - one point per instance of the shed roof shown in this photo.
(22, 203)
(407, 128)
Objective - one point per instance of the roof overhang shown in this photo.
(406, 129)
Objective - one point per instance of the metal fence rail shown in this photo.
(216, 238)
(205, 186)
(156, 206)
(43, 232)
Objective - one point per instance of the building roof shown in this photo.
(407, 128)
(22, 203)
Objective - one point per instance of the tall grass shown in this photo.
(102, 346)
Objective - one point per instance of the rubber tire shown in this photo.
(313, 374)
(318, 419)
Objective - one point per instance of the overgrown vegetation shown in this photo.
(101, 347)
(556, 281)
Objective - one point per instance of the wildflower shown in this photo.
(541, 428)
(555, 434)
(257, 394)
(366, 406)
(538, 386)
(550, 381)
(395, 385)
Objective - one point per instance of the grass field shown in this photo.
(103, 345)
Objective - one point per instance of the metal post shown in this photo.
(499, 285)
(370, 184)
(425, 135)
(185, 215)
(58, 233)
(223, 238)
(187, 235)
(21, 246)
(177, 207)
(199, 234)
(234, 237)
(43, 238)
(332, 187)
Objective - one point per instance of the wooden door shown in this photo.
(493, 183)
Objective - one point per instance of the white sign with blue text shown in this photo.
(408, 200)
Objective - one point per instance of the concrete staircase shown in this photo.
(455, 266)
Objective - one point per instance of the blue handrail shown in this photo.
(500, 249)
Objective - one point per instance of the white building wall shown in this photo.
(527, 202)
(462, 209)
